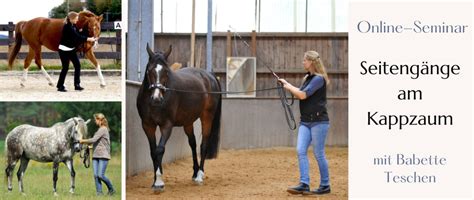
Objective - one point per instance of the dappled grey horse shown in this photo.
(55, 144)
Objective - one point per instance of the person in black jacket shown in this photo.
(70, 40)
(314, 123)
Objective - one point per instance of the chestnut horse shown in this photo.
(47, 32)
(167, 108)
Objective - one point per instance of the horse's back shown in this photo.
(43, 31)
(200, 74)
(17, 131)
(37, 143)
(14, 139)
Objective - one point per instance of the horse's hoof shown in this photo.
(102, 85)
(51, 84)
(22, 85)
(10, 189)
(198, 182)
(56, 194)
(24, 194)
(199, 178)
(71, 191)
(158, 188)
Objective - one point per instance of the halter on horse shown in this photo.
(55, 144)
(167, 109)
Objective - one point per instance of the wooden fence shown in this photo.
(117, 41)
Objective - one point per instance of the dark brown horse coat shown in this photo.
(174, 108)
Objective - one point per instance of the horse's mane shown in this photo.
(67, 121)
(62, 123)
(86, 13)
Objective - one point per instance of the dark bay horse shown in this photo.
(47, 32)
(169, 108)
(55, 144)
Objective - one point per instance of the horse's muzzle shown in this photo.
(77, 147)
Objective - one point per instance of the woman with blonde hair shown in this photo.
(314, 123)
(68, 44)
(101, 155)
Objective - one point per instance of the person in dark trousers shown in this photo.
(314, 123)
(101, 155)
(70, 39)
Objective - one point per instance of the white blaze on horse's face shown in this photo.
(157, 93)
(78, 134)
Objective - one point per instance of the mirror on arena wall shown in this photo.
(241, 76)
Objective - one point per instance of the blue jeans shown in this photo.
(313, 133)
(100, 165)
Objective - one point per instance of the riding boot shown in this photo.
(61, 89)
(299, 189)
(78, 87)
(321, 190)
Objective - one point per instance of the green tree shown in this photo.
(111, 9)
(61, 10)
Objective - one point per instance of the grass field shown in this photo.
(38, 180)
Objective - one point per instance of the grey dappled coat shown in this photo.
(101, 143)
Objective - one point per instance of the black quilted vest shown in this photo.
(313, 108)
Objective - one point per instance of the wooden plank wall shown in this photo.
(283, 52)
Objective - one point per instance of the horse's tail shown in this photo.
(213, 142)
(17, 46)
(7, 161)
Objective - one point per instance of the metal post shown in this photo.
(333, 15)
(295, 17)
(306, 18)
(193, 34)
(259, 11)
(161, 14)
(209, 37)
(140, 32)
(256, 14)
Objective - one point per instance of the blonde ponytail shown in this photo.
(70, 15)
(317, 64)
(103, 121)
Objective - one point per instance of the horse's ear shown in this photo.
(100, 18)
(75, 120)
(168, 52)
(89, 120)
(150, 52)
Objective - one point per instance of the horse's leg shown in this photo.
(150, 134)
(90, 55)
(160, 151)
(189, 130)
(70, 166)
(40, 65)
(21, 172)
(206, 123)
(11, 163)
(55, 176)
(26, 66)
